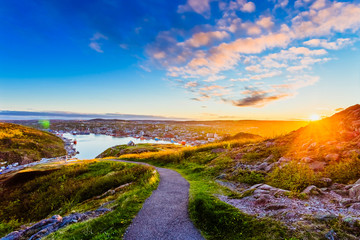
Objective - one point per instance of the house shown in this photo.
(131, 143)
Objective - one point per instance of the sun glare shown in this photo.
(314, 117)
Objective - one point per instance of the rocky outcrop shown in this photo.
(354, 192)
(56, 222)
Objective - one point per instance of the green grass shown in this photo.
(23, 144)
(73, 188)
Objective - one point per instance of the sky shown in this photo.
(189, 59)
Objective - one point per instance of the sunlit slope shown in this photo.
(330, 138)
(23, 144)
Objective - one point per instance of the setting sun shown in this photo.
(314, 117)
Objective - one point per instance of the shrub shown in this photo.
(344, 171)
(250, 177)
(293, 176)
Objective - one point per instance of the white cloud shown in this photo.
(94, 42)
(201, 7)
(96, 47)
(339, 43)
(265, 22)
(204, 38)
(248, 7)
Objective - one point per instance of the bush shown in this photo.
(250, 177)
(345, 171)
(293, 176)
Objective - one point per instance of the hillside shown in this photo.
(306, 182)
(102, 196)
(24, 145)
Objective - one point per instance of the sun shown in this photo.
(314, 117)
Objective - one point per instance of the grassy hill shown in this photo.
(76, 188)
(23, 144)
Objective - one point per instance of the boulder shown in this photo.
(312, 190)
(317, 166)
(263, 199)
(324, 182)
(307, 159)
(332, 157)
(355, 206)
(357, 182)
(312, 146)
(270, 167)
(269, 158)
(269, 144)
(275, 207)
(262, 166)
(284, 159)
(325, 217)
(354, 192)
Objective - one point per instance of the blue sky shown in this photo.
(194, 59)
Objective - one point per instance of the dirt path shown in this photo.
(164, 214)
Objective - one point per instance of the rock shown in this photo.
(325, 217)
(312, 146)
(269, 144)
(47, 226)
(357, 182)
(218, 150)
(221, 176)
(239, 156)
(324, 182)
(269, 158)
(275, 207)
(307, 159)
(331, 235)
(336, 186)
(312, 190)
(12, 236)
(284, 159)
(270, 167)
(354, 192)
(263, 199)
(355, 206)
(317, 166)
(343, 193)
(262, 166)
(332, 157)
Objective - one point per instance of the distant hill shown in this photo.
(242, 135)
(23, 144)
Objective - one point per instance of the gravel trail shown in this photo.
(164, 214)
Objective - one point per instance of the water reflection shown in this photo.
(89, 146)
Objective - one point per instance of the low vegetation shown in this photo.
(23, 144)
(25, 198)
(119, 150)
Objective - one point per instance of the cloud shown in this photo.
(261, 48)
(191, 84)
(265, 22)
(248, 7)
(201, 7)
(281, 4)
(335, 17)
(266, 75)
(211, 88)
(257, 98)
(94, 42)
(204, 38)
(339, 43)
